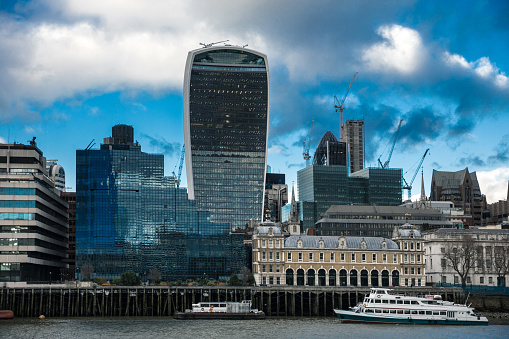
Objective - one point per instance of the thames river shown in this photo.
(147, 327)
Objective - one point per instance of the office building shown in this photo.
(68, 273)
(57, 174)
(276, 196)
(376, 221)
(330, 151)
(129, 216)
(462, 189)
(353, 136)
(33, 217)
(226, 112)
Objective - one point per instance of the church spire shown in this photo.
(294, 214)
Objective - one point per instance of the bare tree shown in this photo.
(461, 256)
(86, 271)
(154, 274)
(501, 263)
(244, 274)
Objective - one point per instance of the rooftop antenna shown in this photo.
(244, 45)
(90, 145)
(212, 43)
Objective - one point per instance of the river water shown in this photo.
(278, 328)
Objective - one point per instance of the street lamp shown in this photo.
(50, 277)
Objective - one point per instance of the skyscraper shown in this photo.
(353, 135)
(226, 112)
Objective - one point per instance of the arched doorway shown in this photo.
(332, 277)
(321, 277)
(353, 278)
(311, 277)
(364, 278)
(300, 277)
(385, 278)
(374, 278)
(395, 278)
(342, 278)
(289, 276)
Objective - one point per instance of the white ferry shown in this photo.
(221, 310)
(382, 307)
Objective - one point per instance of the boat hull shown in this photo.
(218, 315)
(352, 317)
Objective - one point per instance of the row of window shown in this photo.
(407, 258)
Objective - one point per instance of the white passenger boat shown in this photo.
(221, 310)
(382, 307)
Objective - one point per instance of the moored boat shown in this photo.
(221, 310)
(382, 307)
(6, 314)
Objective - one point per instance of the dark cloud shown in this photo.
(501, 153)
(473, 161)
(420, 125)
(163, 146)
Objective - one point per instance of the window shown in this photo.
(263, 268)
(418, 258)
(321, 256)
(353, 257)
(264, 243)
(384, 257)
(444, 279)
(442, 249)
(270, 268)
(278, 243)
(406, 270)
(332, 257)
(264, 281)
(405, 246)
(418, 270)
(300, 256)
(264, 256)
(374, 257)
(270, 256)
(456, 279)
(411, 245)
(418, 246)
(277, 256)
(412, 270)
(363, 257)
(394, 258)
(469, 280)
(310, 256)
(270, 243)
(406, 257)
(342, 257)
(481, 280)
(277, 268)
(412, 258)
(443, 262)
(278, 281)
(271, 280)
(490, 280)
(289, 256)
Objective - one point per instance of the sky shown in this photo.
(72, 69)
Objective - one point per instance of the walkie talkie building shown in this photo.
(226, 112)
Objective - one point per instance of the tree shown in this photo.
(244, 274)
(234, 280)
(461, 256)
(154, 274)
(501, 264)
(87, 271)
(130, 278)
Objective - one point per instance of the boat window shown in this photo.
(205, 305)
(369, 310)
(407, 302)
(415, 312)
(386, 311)
(422, 312)
(400, 301)
(436, 313)
(378, 311)
(407, 311)
(385, 301)
(414, 302)
(392, 301)
(400, 311)
(223, 305)
(442, 312)
(393, 311)
(429, 313)
(378, 301)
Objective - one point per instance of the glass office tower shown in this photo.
(226, 112)
(130, 217)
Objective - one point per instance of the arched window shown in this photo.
(374, 278)
(353, 278)
(385, 278)
(289, 276)
(321, 277)
(364, 278)
(342, 277)
(332, 277)
(311, 277)
(395, 278)
(300, 277)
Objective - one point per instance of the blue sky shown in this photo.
(72, 69)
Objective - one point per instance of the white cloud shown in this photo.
(2, 141)
(402, 50)
(494, 183)
(278, 149)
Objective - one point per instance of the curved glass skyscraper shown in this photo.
(226, 112)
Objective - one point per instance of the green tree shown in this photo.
(234, 280)
(130, 278)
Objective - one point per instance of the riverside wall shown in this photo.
(120, 301)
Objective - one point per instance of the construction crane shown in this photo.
(341, 106)
(386, 164)
(177, 178)
(408, 186)
(306, 144)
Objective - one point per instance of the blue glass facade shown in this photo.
(226, 110)
(130, 217)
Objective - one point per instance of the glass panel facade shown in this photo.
(226, 133)
(130, 217)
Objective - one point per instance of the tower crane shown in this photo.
(306, 144)
(408, 186)
(341, 106)
(177, 178)
(386, 164)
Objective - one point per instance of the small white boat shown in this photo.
(382, 307)
(221, 310)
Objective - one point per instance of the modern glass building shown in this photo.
(33, 217)
(129, 216)
(226, 112)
